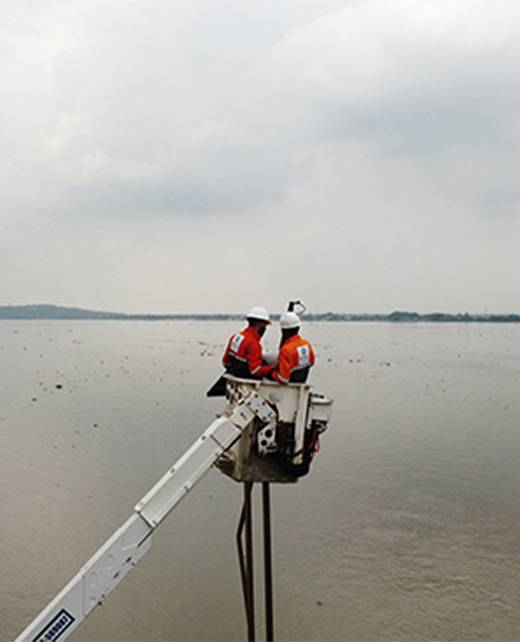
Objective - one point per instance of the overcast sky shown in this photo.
(209, 155)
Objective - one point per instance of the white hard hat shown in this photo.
(259, 314)
(290, 320)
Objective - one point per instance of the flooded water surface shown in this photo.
(407, 528)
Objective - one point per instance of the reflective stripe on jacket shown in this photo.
(294, 361)
(243, 355)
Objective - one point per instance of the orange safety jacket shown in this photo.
(294, 360)
(243, 355)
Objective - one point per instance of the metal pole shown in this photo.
(268, 564)
(249, 561)
(246, 559)
(241, 559)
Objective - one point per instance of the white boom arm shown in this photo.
(121, 552)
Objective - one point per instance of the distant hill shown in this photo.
(48, 312)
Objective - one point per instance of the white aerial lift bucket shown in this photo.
(281, 449)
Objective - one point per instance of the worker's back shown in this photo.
(243, 355)
(238, 350)
(295, 360)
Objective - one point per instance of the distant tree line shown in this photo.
(48, 312)
(400, 316)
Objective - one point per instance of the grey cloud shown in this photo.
(175, 128)
(360, 144)
(226, 171)
(410, 93)
(137, 113)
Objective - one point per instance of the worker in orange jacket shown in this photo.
(296, 356)
(243, 356)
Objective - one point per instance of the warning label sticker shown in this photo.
(56, 627)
